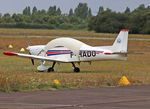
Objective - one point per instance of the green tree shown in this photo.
(7, 18)
(89, 13)
(6, 15)
(42, 12)
(82, 10)
(34, 11)
(27, 11)
(18, 18)
(71, 12)
(52, 11)
(74, 20)
(127, 10)
(101, 9)
(92, 23)
(107, 22)
(141, 7)
(46, 18)
(53, 21)
(146, 27)
(58, 12)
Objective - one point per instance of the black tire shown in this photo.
(40, 71)
(50, 69)
(76, 69)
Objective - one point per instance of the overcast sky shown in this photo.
(16, 6)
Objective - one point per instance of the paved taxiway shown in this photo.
(132, 97)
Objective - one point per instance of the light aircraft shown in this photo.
(69, 50)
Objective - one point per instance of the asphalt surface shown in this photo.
(131, 97)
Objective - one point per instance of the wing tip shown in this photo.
(9, 53)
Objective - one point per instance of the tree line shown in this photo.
(106, 21)
(48, 19)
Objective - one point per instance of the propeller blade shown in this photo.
(32, 60)
(27, 41)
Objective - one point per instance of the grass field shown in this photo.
(18, 74)
(70, 33)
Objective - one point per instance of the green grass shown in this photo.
(18, 74)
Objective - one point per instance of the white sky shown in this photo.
(17, 6)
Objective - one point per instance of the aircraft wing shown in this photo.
(33, 56)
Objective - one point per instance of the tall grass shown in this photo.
(44, 81)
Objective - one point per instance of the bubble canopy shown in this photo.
(70, 43)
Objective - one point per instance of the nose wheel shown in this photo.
(76, 69)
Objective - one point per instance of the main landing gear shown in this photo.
(51, 69)
(76, 69)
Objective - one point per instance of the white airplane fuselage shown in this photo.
(86, 53)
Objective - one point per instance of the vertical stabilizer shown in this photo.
(121, 42)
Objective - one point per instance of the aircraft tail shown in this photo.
(121, 42)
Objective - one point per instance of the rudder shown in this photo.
(121, 42)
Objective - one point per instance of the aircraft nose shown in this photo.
(28, 48)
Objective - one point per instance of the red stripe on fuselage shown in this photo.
(58, 52)
(107, 53)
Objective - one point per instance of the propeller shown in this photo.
(28, 48)
(32, 60)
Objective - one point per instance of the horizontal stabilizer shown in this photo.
(128, 53)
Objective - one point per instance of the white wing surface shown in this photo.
(35, 57)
